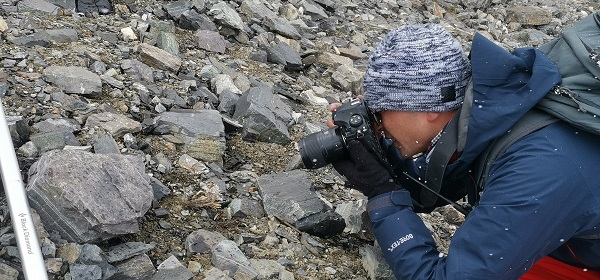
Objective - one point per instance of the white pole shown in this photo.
(32, 260)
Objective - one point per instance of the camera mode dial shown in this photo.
(356, 120)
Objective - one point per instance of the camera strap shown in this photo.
(438, 160)
(452, 140)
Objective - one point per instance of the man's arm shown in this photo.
(526, 211)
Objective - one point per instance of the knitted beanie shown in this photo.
(417, 68)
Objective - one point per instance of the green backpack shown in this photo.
(577, 99)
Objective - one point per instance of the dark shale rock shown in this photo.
(264, 116)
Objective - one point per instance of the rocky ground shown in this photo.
(149, 59)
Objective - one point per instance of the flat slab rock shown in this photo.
(88, 197)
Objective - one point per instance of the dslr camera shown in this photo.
(354, 121)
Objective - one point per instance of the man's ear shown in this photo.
(443, 117)
(432, 116)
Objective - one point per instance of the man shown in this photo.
(538, 215)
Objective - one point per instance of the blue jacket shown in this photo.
(539, 197)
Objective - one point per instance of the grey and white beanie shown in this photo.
(417, 68)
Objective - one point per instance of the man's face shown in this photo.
(411, 131)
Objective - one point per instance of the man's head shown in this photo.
(418, 74)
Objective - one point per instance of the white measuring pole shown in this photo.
(32, 260)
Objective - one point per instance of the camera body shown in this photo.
(354, 121)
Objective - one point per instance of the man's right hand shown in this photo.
(364, 172)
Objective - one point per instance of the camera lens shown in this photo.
(320, 148)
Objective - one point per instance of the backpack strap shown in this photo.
(530, 122)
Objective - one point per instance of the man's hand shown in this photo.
(363, 172)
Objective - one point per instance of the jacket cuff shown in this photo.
(394, 199)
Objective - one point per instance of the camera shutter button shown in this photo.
(356, 120)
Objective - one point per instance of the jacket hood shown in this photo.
(505, 86)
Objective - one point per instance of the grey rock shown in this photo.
(63, 35)
(478, 4)
(28, 150)
(105, 144)
(56, 124)
(19, 130)
(40, 38)
(227, 101)
(264, 116)
(164, 163)
(109, 37)
(244, 207)
(127, 250)
(315, 12)
(112, 82)
(172, 97)
(54, 140)
(100, 196)
(192, 20)
(223, 82)
(216, 274)
(331, 60)
(226, 256)
(374, 263)
(159, 190)
(328, 41)
(202, 241)
(115, 124)
(92, 255)
(530, 37)
(139, 267)
(158, 58)
(260, 56)
(327, 223)
(266, 269)
(201, 132)
(12, 251)
(351, 212)
(38, 5)
(171, 268)
(285, 55)
(529, 15)
(209, 40)
(282, 27)
(74, 79)
(176, 8)
(348, 78)
(69, 252)
(161, 212)
(226, 15)
(53, 265)
(168, 42)
(331, 5)
(48, 248)
(85, 272)
(72, 104)
(256, 9)
(137, 70)
(287, 195)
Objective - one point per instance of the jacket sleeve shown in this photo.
(522, 216)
